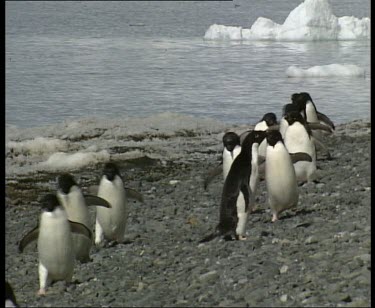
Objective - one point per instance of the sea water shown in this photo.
(69, 60)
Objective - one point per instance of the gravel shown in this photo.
(319, 255)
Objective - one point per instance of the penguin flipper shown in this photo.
(133, 194)
(211, 175)
(246, 191)
(300, 156)
(318, 143)
(96, 201)
(315, 125)
(273, 127)
(28, 238)
(79, 228)
(325, 119)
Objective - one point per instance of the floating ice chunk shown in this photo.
(312, 20)
(65, 161)
(264, 29)
(326, 71)
(38, 145)
(220, 32)
(352, 28)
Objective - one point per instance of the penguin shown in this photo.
(232, 214)
(268, 120)
(306, 106)
(75, 204)
(232, 147)
(111, 223)
(55, 243)
(298, 139)
(313, 126)
(281, 180)
(10, 298)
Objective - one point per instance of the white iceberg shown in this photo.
(312, 20)
(326, 71)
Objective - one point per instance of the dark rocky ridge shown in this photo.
(319, 256)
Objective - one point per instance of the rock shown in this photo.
(284, 269)
(311, 240)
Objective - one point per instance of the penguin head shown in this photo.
(64, 182)
(273, 137)
(255, 136)
(49, 202)
(294, 116)
(110, 171)
(289, 108)
(230, 140)
(270, 118)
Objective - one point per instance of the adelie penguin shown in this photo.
(76, 204)
(55, 243)
(232, 147)
(308, 109)
(281, 180)
(111, 223)
(298, 139)
(312, 126)
(268, 120)
(237, 181)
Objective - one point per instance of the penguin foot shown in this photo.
(242, 238)
(41, 292)
(275, 217)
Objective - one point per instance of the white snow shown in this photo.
(312, 20)
(342, 70)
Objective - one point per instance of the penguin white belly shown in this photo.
(241, 214)
(283, 126)
(228, 159)
(112, 220)
(262, 148)
(75, 206)
(280, 179)
(55, 248)
(254, 176)
(311, 115)
(297, 140)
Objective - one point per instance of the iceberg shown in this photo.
(312, 20)
(344, 70)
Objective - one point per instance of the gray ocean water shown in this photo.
(72, 59)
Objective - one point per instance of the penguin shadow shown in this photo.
(299, 212)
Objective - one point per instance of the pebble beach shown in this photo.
(318, 255)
